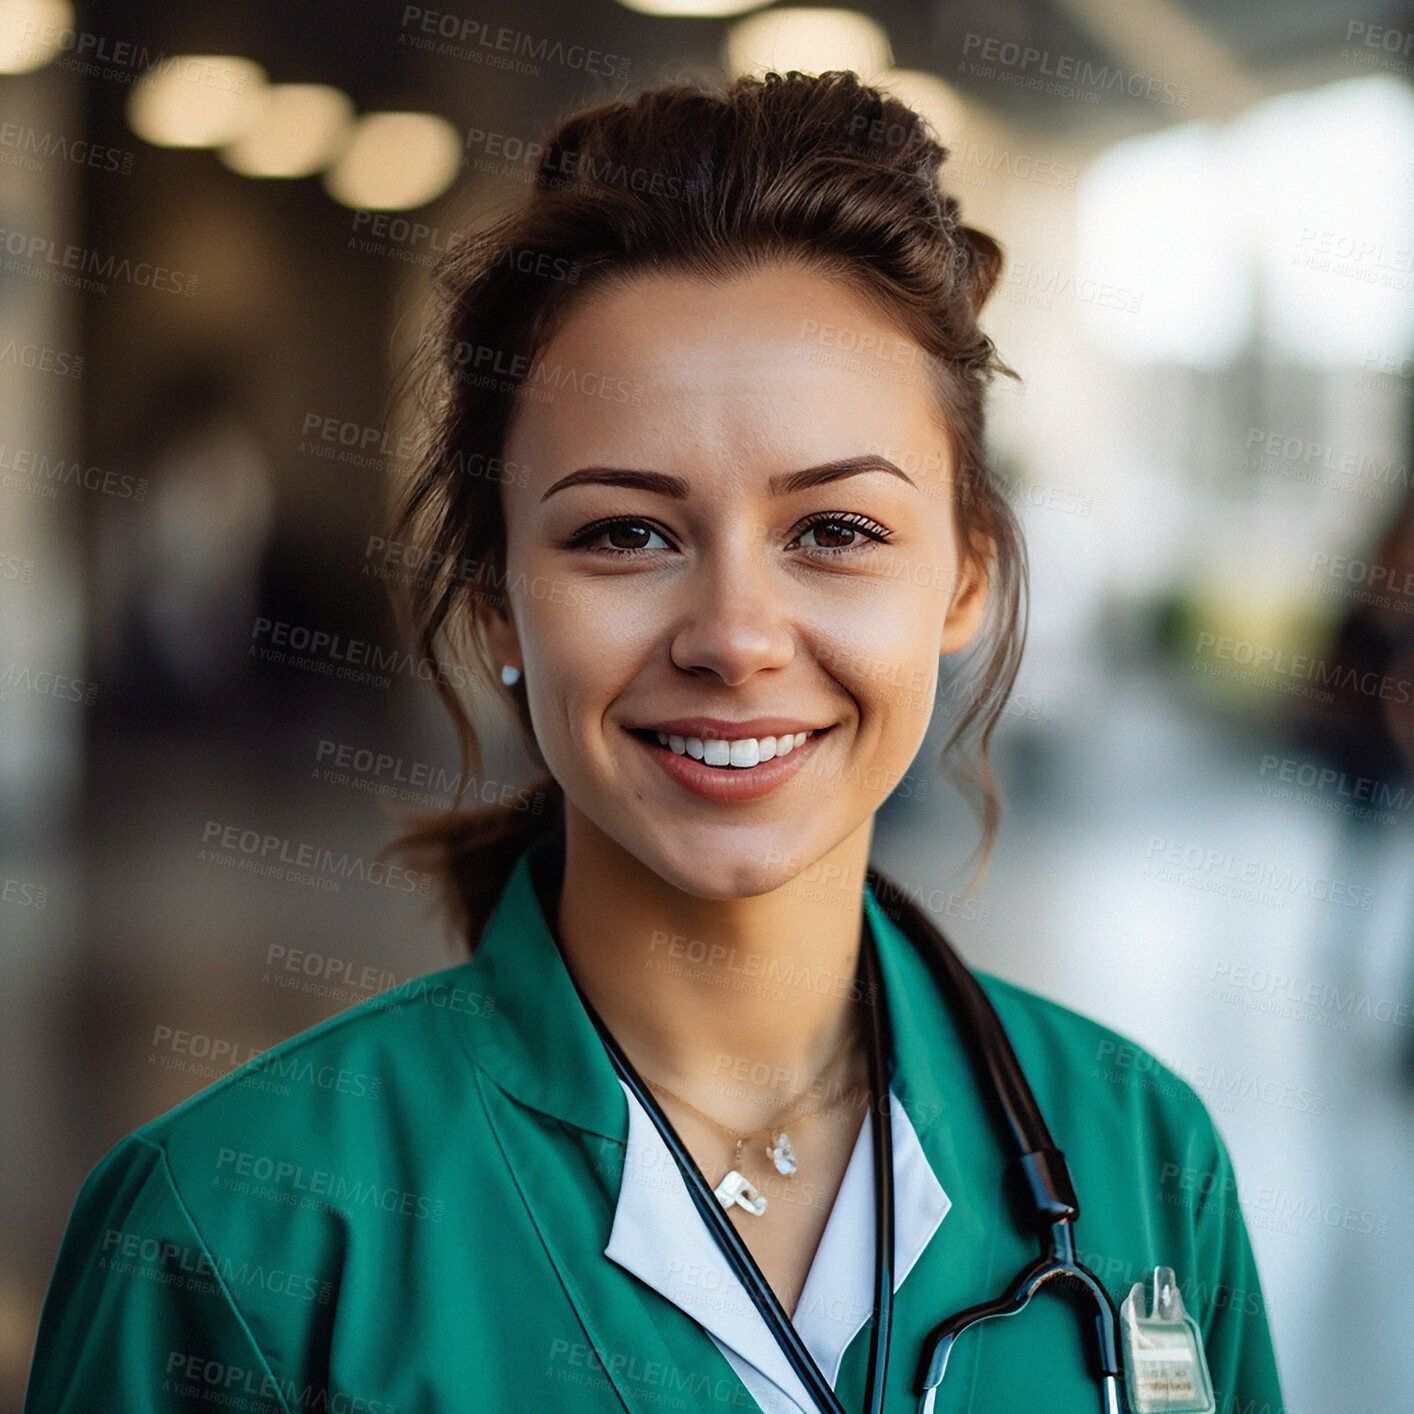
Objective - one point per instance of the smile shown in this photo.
(744, 751)
(729, 770)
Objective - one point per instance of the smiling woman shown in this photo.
(731, 551)
(695, 378)
(709, 1087)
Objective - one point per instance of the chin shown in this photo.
(718, 869)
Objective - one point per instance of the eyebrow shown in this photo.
(677, 487)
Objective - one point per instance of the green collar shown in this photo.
(537, 1042)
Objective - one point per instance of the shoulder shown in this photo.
(1151, 1166)
(231, 1222)
(1154, 1177)
(1100, 1079)
(1156, 1180)
(330, 1099)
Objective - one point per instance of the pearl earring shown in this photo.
(510, 675)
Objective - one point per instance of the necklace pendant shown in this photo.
(735, 1188)
(781, 1154)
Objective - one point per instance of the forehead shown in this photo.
(777, 364)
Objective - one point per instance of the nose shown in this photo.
(735, 614)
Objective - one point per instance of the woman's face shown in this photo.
(731, 501)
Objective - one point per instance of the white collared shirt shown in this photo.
(660, 1237)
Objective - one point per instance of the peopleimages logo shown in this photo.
(259, 851)
(1301, 669)
(987, 56)
(1261, 880)
(288, 1180)
(317, 650)
(43, 257)
(27, 147)
(42, 359)
(501, 46)
(221, 1384)
(100, 56)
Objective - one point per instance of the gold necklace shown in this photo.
(734, 1187)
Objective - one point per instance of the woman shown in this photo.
(707, 494)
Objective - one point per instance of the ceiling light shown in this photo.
(299, 129)
(395, 161)
(196, 100)
(693, 9)
(810, 40)
(929, 96)
(32, 33)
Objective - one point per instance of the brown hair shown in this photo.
(824, 170)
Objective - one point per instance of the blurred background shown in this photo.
(216, 227)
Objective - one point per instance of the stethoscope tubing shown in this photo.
(744, 1266)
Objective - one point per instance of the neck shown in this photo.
(700, 992)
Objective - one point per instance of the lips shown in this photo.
(729, 781)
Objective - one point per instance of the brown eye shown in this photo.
(628, 535)
(838, 533)
(622, 534)
(832, 534)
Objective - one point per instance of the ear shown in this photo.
(501, 639)
(969, 599)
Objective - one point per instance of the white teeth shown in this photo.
(746, 751)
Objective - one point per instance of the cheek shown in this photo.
(603, 623)
(582, 650)
(888, 663)
(884, 646)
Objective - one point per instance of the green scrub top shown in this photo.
(405, 1208)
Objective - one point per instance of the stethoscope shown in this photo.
(1053, 1205)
